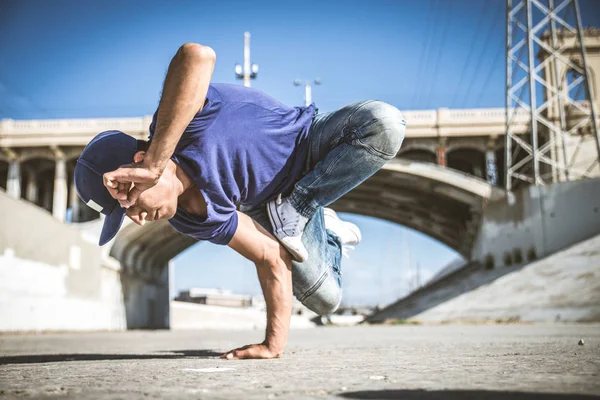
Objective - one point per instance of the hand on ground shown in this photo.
(252, 351)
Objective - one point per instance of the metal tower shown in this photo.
(547, 86)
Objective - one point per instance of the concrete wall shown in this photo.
(564, 287)
(146, 302)
(51, 278)
(538, 222)
(436, 292)
(200, 316)
(146, 295)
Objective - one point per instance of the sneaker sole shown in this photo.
(356, 231)
(328, 212)
(297, 254)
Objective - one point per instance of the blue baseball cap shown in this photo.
(106, 152)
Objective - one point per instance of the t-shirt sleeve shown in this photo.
(222, 232)
(218, 230)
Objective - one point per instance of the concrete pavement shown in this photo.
(527, 362)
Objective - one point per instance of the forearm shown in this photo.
(276, 281)
(274, 268)
(184, 94)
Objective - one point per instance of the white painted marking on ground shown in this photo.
(212, 369)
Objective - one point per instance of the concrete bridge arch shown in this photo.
(442, 203)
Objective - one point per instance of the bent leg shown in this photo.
(317, 281)
(347, 147)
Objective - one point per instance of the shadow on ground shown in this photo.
(460, 395)
(50, 358)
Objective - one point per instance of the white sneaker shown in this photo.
(288, 226)
(348, 233)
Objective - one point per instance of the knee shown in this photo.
(392, 128)
(389, 127)
(324, 302)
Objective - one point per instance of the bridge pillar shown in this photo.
(59, 203)
(491, 167)
(46, 196)
(31, 192)
(13, 183)
(74, 203)
(440, 153)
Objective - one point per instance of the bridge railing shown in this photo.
(47, 131)
(420, 123)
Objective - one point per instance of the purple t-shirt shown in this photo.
(243, 148)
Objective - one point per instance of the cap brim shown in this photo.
(112, 224)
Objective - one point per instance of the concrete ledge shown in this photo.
(200, 316)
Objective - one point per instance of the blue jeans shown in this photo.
(346, 147)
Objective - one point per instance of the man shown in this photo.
(233, 166)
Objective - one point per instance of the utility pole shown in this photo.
(307, 89)
(418, 275)
(248, 71)
(413, 275)
(548, 86)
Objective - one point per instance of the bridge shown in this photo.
(438, 184)
(448, 171)
(444, 204)
(37, 157)
(445, 182)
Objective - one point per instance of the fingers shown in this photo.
(235, 354)
(120, 183)
(135, 219)
(239, 355)
(117, 190)
(131, 197)
(242, 353)
(254, 351)
(124, 187)
(137, 216)
(130, 173)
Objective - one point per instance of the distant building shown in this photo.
(225, 298)
(214, 297)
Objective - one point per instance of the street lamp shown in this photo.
(247, 71)
(307, 89)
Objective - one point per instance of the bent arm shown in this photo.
(184, 94)
(274, 269)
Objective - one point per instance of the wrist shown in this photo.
(155, 164)
(274, 346)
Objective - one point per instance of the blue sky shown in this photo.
(382, 267)
(83, 59)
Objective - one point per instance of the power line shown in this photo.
(431, 47)
(489, 74)
(423, 48)
(441, 47)
(475, 35)
(487, 39)
(424, 54)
